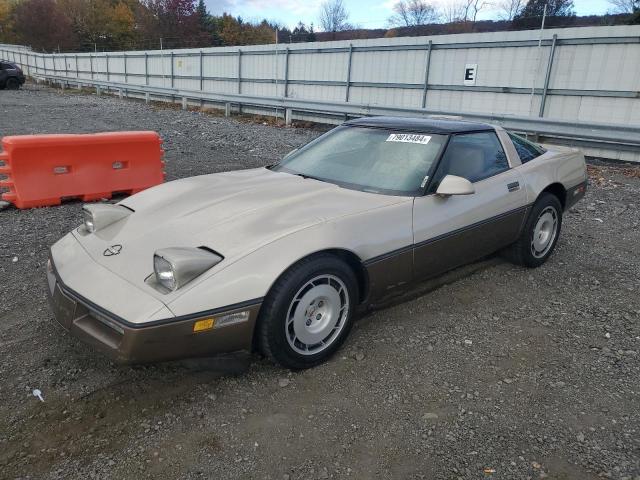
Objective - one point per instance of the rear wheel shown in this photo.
(540, 233)
(12, 83)
(308, 313)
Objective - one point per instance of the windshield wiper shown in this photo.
(305, 176)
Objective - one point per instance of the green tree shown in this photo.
(43, 25)
(555, 8)
(235, 31)
(102, 24)
(302, 33)
(635, 16)
(121, 25)
(203, 14)
(7, 32)
(175, 21)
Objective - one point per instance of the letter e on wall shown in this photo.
(470, 70)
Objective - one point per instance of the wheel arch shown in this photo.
(347, 256)
(558, 190)
(350, 258)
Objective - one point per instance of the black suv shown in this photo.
(11, 76)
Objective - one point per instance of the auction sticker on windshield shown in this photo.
(408, 138)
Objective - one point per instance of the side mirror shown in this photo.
(454, 185)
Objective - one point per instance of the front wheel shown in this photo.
(308, 313)
(540, 233)
(12, 84)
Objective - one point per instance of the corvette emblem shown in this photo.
(112, 250)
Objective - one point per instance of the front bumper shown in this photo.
(159, 340)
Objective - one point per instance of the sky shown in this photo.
(363, 13)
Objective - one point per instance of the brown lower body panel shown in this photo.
(438, 255)
(167, 341)
(393, 273)
(389, 275)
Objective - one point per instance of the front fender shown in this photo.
(367, 235)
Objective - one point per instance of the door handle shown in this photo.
(513, 186)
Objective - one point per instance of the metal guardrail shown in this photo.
(583, 134)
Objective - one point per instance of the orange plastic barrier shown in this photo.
(43, 170)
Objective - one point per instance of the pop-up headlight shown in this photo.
(100, 215)
(177, 266)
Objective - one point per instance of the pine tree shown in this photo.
(555, 8)
(203, 14)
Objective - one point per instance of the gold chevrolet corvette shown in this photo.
(279, 259)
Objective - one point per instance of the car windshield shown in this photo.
(369, 159)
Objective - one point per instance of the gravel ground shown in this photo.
(504, 373)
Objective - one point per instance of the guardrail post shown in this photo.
(120, 93)
(426, 74)
(239, 71)
(91, 65)
(124, 57)
(227, 109)
(55, 73)
(77, 70)
(147, 97)
(287, 116)
(201, 72)
(106, 61)
(543, 100)
(286, 73)
(98, 90)
(146, 68)
(184, 103)
(171, 68)
(348, 82)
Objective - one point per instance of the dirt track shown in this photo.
(528, 373)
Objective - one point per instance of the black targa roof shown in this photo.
(422, 125)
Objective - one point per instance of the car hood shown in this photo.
(233, 213)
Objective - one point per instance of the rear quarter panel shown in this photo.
(558, 165)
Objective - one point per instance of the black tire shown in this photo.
(523, 252)
(273, 329)
(12, 83)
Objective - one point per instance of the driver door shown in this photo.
(457, 229)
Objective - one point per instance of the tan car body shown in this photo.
(262, 222)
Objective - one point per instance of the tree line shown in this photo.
(107, 25)
(110, 25)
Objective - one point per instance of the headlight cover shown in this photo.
(100, 215)
(177, 266)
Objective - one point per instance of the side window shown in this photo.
(526, 150)
(474, 156)
(2, 66)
